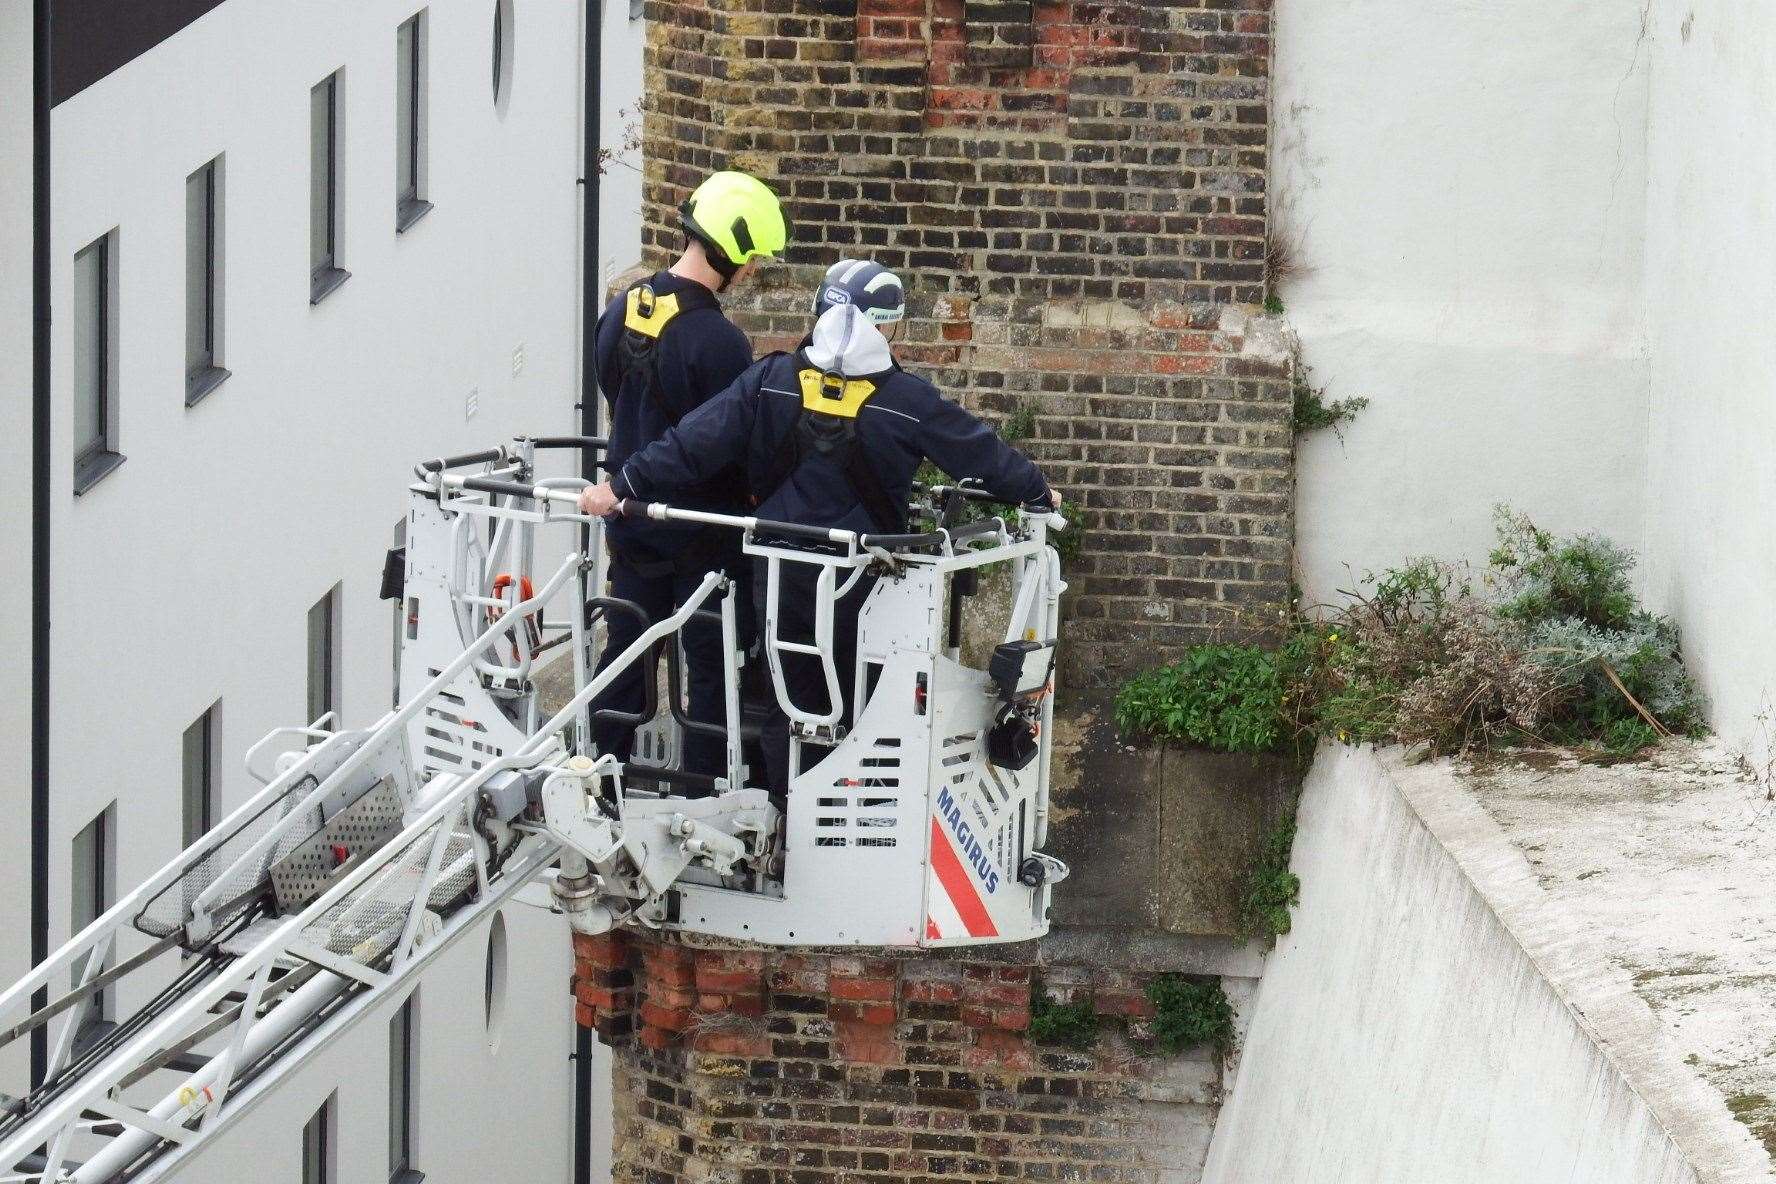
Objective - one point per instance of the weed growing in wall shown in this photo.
(1271, 889)
(1189, 1012)
(1225, 697)
(1313, 411)
(1072, 1025)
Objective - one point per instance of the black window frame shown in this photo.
(102, 886)
(326, 648)
(410, 202)
(318, 1139)
(325, 273)
(97, 458)
(200, 811)
(403, 1052)
(206, 373)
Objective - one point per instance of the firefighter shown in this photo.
(664, 349)
(827, 436)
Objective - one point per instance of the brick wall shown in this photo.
(760, 1067)
(1076, 192)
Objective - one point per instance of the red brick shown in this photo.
(1012, 993)
(1134, 1004)
(674, 1019)
(604, 998)
(734, 1044)
(1183, 364)
(933, 991)
(719, 979)
(656, 1038)
(751, 1006)
(668, 966)
(868, 1013)
(610, 950)
(1011, 1019)
(671, 997)
(861, 988)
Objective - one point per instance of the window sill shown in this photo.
(407, 1176)
(90, 470)
(410, 210)
(201, 382)
(324, 282)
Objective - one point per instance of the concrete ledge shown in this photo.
(1434, 1016)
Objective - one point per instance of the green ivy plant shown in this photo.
(1271, 889)
(1225, 697)
(1072, 1025)
(1190, 1012)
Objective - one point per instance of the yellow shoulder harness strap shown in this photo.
(648, 314)
(825, 394)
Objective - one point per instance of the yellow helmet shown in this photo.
(738, 216)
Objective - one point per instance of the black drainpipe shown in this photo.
(591, 298)
(40, 422)
(591, 301)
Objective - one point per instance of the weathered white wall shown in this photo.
(1464, 183)
(1711, 252)
(619, 221)
(186, 575)
(1401, 1033)
(15, 494)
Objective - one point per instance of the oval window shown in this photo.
(503, 43)
(496, 980)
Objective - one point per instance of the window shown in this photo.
(323, 657)
(198, 765)
(410, 207)
(503, 43)
(203, 282)
(89, 897)
(95, 363)
(402, 1036)
(325, 274)
(494, 982)
(394, 589)
(317, 1144)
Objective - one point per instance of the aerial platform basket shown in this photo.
(369, 852)
(922, 825)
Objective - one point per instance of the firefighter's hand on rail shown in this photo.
(598, 501)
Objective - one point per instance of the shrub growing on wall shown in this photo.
(1226, 697)
(1560, 650)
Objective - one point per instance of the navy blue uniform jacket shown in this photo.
(905, 421)
(700, 353)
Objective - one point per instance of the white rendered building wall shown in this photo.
(1402, 1033)
(1463, 185)
(619, 221)
(186, 575)
(1711, 251)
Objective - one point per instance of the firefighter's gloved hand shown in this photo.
(598, 501)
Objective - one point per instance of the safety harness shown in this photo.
(826, 426)
(646, 317)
